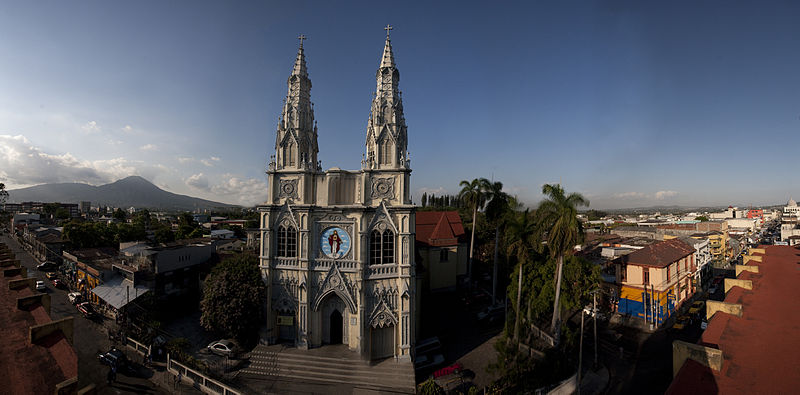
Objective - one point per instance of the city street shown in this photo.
(90, 338)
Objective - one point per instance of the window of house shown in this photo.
(287, 241)
(669, 269)
(381, 247)
(646, 276)
(443, 255)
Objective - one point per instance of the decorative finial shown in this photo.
(388, 28)
(301, 37)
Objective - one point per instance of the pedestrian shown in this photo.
(109, 376)
(114, 373)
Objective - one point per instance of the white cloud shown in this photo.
(198, 181)
(23, 164)
(630, 195)
(215, 159)
(435, 191)
(185, 159)
(127, 129)
(206, 162)
(661, 195)
(243, 191)
(91, 127)
(148, 147)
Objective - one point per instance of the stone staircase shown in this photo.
(330, 364)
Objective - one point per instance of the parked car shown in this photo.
(51, 275)
(86, 309)
(712, 290)
(59, 284)
(704, 324)
(697, 307)
(47, 266)
(116, 359)
(682, 322)
(40, 286)
(588, 310)
(425, 362)
(428, 346)
(222, 347)
(491, 314)
(74, 297)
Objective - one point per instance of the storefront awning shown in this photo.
(118, 292)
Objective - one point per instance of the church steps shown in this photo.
(302, 363)
(335, 370)
(333, 362)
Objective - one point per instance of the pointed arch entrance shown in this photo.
(334, 315)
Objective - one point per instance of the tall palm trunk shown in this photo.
(494, 269)
(556, 324)
(472, 245)
(519, 296)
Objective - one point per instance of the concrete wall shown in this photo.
(746, 268)
(65, 325)
(730, 308)
(735, 282)
(681, 351)
(26, 302)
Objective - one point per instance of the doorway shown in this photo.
(336, 327)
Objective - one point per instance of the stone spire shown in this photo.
(296, 144)
(386, 128)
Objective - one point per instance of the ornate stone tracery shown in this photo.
(382, 316)
(336, 283)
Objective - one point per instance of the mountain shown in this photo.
(133, 191)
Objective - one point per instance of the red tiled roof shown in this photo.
(439, 228)
(31, 368)
(761, 349)
(658, 254)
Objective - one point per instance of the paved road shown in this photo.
(89, 339)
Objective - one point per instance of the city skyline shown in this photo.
(631, 105)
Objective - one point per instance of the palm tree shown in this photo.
(521, 229)
(472, 194)
(497, 205)
(558, 223)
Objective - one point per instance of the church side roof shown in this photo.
(439, 228)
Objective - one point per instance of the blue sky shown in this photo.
(687, 103)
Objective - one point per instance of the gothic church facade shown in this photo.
(337, 246)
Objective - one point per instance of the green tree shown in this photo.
(62, 213)
(701, 218)
(119, 215)
(472, 195)
(164, 235)
(497, 206)
(559, 225)
(4, 215)
(232, 298)
(520, 229)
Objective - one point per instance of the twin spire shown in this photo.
(296, 143)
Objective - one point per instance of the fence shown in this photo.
(136, 346)
(542, 335)
(198, 380)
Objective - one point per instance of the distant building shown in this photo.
(84, 207)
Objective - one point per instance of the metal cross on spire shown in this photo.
(388, 28)
(301, 37)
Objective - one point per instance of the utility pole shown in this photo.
(594, 309)
(580, 355)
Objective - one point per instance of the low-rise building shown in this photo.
(656, 279)
(441, 249)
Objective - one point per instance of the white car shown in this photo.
(40, 286)
(74, 297)
(222, 347)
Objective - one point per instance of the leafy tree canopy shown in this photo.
(233, 297)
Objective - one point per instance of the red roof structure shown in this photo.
(760, 349)
(439, 228)
(31, 367)
(658, 254)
